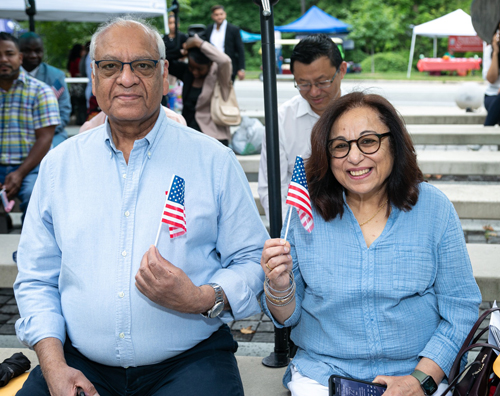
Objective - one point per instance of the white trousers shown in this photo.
(305, 386)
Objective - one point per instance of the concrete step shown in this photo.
(446, 118)
(454, 135)
(434, 162)
(257, 379)
(471, 201)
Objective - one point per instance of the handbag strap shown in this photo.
(468, 366)
(456, 364)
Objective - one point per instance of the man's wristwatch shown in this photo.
(219, 302)
(426, 382)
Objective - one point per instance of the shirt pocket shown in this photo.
(413, 269)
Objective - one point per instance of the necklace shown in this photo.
(376, 213)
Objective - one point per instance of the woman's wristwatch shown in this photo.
(426, 382)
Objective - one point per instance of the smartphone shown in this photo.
(8, 205)
(342, 386)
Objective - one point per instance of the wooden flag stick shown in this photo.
(288, 222)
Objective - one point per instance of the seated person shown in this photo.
(206, 65)
(30, 116)
(32, 48)
(104, 309)
(383, 284)
(491, 56)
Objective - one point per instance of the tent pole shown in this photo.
(165, 23)
(413, 37)
(435, 46)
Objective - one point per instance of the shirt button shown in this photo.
(121, 294)
(127, 213)
(124, 253)
(122, 335)
(124, 175)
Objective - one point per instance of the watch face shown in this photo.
(429, 386)
(216, 310)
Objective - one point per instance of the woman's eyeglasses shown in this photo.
(367, 144)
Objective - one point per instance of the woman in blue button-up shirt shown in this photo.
(383, 283)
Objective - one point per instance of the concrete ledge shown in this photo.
(471, 201)
(459, 162)
(434, 162)
(416, 119)
(485, 259)
(8, 268)
(454, 134)
(257, 379)
(486, 268)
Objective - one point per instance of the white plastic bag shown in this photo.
(248, 137)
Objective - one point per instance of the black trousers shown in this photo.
(208, 369)
(492, 105)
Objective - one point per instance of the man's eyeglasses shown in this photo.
(140, 67)
(320, 84)
(367, 144)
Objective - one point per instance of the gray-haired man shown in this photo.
(102, 315)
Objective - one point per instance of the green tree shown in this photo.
(375, 26)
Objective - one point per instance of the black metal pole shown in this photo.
(31, 11)
(280, 356)
(175, 4)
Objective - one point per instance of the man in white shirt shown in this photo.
(226, 37)
(318, 68)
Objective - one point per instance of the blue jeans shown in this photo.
(207, 369)
(26, 189)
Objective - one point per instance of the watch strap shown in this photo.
(219, 301)
(426, 382)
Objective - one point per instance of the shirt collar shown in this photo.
(305, 108)
(223, 26)
(34, 71)
(150, 138)
(23, 76)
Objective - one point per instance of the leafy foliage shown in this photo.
(386, 62)
(379, 25)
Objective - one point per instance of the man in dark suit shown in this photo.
(227, 38)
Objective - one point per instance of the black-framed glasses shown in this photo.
(140, 67)
(320, 84)
(367, 144)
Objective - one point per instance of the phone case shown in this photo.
(8, 205)
(343, 386)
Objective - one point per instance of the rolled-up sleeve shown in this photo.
(39, 263)
(457, 293)
(240, 240)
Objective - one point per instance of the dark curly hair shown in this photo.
(402, 183)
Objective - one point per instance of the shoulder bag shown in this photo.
(224, 112)
(478, 377)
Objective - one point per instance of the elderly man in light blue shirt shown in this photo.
(105, 311)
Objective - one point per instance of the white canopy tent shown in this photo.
(84, 11)
(456, 23)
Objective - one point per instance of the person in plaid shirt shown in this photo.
(29, 116)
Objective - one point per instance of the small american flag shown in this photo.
(173, 213)
(58, 89)
(298, 195)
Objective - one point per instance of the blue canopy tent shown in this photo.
(315, 20)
